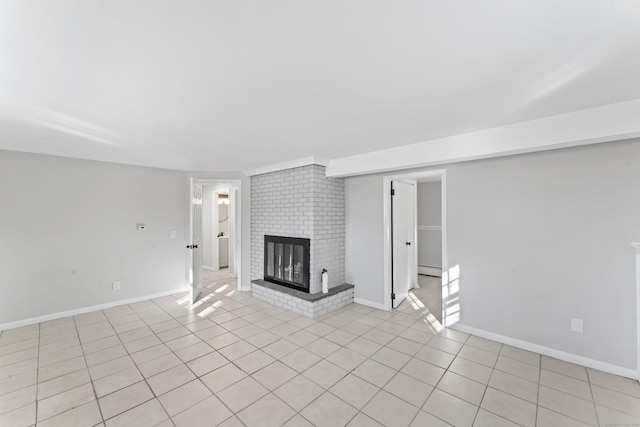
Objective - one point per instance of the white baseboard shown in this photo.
(369, 303)
(60, 315)
(551, 352)
(429, 271)
(208, 268)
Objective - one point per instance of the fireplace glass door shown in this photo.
(286, 261)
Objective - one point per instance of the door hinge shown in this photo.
(393, 296)
(393, 192)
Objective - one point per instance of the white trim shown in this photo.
(305, 161)
(386, 237)
(429, 228)
(190, 269)
(75, 312)
(637, 248)
(233, 218)
(215, 230)
(445, 248)
(429, 271)
(547, 351)
(606, 123)
(206, 267)
(238, 248)
(369, 303)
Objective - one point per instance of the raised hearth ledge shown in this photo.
(310, 305)
(299, 294)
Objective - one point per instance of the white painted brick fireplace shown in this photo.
(300, 202)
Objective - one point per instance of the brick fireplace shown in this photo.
(301, 203)
(286, 261)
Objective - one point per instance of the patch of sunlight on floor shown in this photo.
(195, 305)
(184, 300)
(207, 311)
(426, 301)
(433, 323)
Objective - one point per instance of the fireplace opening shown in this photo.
(286, 261)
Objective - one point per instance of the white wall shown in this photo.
(539, 238)
(68, 229)
(364, 238)
(223, 219)
(209, 242)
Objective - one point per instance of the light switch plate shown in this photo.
(576, 325)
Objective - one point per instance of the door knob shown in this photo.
(192, 246)
(408, 243)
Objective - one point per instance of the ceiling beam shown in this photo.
(595, 125)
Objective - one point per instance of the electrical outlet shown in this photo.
(576, 325)
(172, 234)
(115, 285)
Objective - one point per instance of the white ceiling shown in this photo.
(237, 85)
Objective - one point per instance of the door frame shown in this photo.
(440, 174)
(195, 240)
(238, 232)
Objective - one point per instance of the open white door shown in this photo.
(403, 240)
(196, 242)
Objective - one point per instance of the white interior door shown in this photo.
(196, 243)
(404, 262)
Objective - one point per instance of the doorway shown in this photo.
(220, 203)
(423, 287)
(219, 227)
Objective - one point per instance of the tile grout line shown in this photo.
(372, 323)
(136, 365)
(198, 377)
(595, 407)
(538, 394)
(38, 373)
(84, 356)
(184, 363)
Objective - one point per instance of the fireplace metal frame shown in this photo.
(297, 241)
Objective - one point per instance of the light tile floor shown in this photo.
(232, 360)
(426, 298)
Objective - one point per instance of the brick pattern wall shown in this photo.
(328, 228)
(300, 202)
(300, 306)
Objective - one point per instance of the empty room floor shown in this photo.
(233, 360)
(425, 299)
